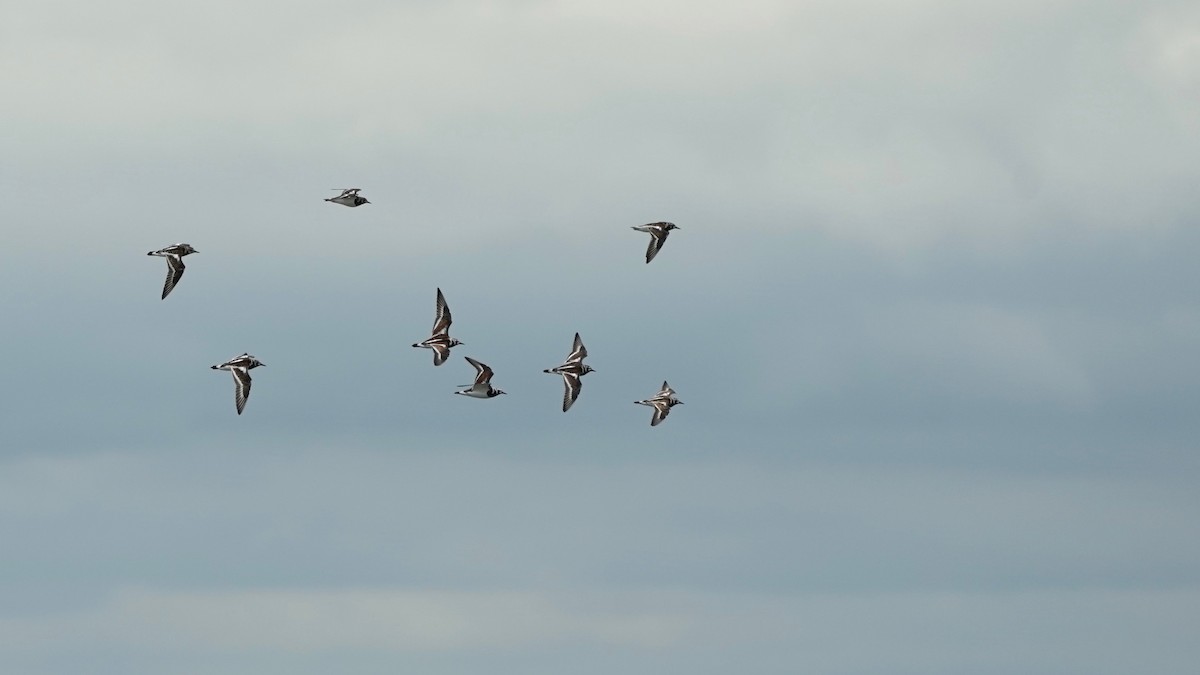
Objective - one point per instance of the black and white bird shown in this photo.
(658, 236)
(662, 402)
(240, 366)
(174, 255)
(349, 197)
(482, 388)
(572, 369)
(440, 341)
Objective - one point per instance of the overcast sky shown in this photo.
(932, 310)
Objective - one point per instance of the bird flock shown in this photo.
(571, 370)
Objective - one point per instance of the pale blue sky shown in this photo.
(932, 310)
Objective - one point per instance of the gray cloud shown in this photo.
(932, 311)
(660, 559)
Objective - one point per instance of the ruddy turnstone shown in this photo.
(483, 382)
(658, 236)
(240, 367)
(440, 341)
(349, 197)
(571, 370)
(662, 402)
(174, 255)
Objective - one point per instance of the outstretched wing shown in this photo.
(483, 373)
(440, 354)
(658, 236)
(241, 387)
(175, 269)
(578, 351)
(662, 408)
(571, 387)
(441, 320)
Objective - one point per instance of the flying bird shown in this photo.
(174, 255)
(440, 341)
(482, 388)
(240, 366)
(662, 402)
(658, 236)
(349, 197)
(572, 369)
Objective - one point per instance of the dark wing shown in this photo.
(661, 410)
(440, 354)
(175, 269)
(571, 386)
(241, 387)
(665, 392)
(441, 321)
(578, 351)
(483, 373)
(657, 237)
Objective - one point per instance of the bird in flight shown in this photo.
(440, 341)
(240, 366)
(482, 388)
(572, 369)
(662, 402)
(658, 236)
(349, 197)
(174, 255)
